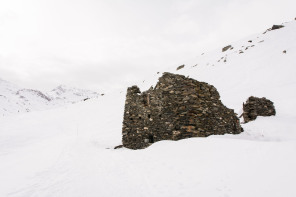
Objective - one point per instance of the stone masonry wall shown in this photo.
(255, 106)
(177, 108)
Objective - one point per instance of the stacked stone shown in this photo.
(257, 107)
(177, 108)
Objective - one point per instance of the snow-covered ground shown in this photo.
(69, 151)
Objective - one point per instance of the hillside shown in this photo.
(14, 99)
(69, 151)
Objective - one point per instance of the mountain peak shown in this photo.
(15, 99)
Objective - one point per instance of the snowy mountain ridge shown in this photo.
(68, 94)
(14, 99)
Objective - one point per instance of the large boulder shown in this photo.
(255, 106)
(177, 108)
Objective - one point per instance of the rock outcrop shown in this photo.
(180, 67)
(226, 48)
(257, 107)
(177, 108)
(274, 27)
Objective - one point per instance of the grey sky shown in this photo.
(87, 43)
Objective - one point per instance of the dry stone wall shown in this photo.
(177, 108)
(257, 107)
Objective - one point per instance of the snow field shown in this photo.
(69, 151)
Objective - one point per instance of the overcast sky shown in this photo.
(88, 43)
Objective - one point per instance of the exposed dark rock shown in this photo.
(250, 41)
(274, 27)
(180, 67)
(226, 48)
(178, 107)
(257, 107)
(284, 51)
(119, 146)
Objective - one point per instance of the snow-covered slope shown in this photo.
(14, 99)
(69, 151)
(70, 95)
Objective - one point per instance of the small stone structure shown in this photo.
(177, 108)
(257, 107)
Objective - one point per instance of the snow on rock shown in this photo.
(66, 94)
(14, 99)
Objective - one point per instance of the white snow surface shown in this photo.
(68, 151)
(14, 99)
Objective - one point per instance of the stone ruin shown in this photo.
(177, 108)
(257, 107)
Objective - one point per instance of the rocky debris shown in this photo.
(255, 106)
(180, 67)
(226, 48)
(177, 108)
